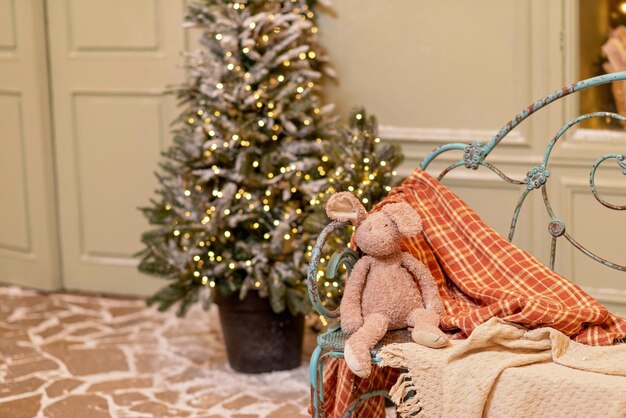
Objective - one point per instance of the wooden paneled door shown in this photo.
(110, 64)
(28, 234)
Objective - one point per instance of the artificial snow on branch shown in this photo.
(256, 152)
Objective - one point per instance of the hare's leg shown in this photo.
(358, 347)
(426, 330)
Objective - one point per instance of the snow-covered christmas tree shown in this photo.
(247, 164)
(255, 154)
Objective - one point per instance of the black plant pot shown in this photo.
(257, 339)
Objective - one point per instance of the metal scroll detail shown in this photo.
(621, 162)
(556, 227)
(345, 257)
(536, 177)
(520, 117)
(473, 155)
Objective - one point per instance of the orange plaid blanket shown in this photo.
(480, 275)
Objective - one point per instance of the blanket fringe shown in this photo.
(393, 356)
(404, 393)
(408, 404)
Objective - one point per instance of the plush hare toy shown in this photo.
(381, 293)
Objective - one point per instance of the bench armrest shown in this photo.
(343, 256)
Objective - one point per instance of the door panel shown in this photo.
(114, 25)
(111, 123)
(28, 240)
(14, 224)
(104, 200)
(7, 25)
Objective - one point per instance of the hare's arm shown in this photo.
(428, 287)
(350, 309)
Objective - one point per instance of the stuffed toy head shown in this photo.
(378, 234)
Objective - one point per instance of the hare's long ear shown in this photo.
(345, 207)
(405, 217)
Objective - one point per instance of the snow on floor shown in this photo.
(68, 355)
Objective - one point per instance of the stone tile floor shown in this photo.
(70, 355)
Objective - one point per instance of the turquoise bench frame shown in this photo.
(331, 342)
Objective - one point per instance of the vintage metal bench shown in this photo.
(475, 155)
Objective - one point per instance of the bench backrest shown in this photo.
(474, 156)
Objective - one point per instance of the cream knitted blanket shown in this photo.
(504, 370)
